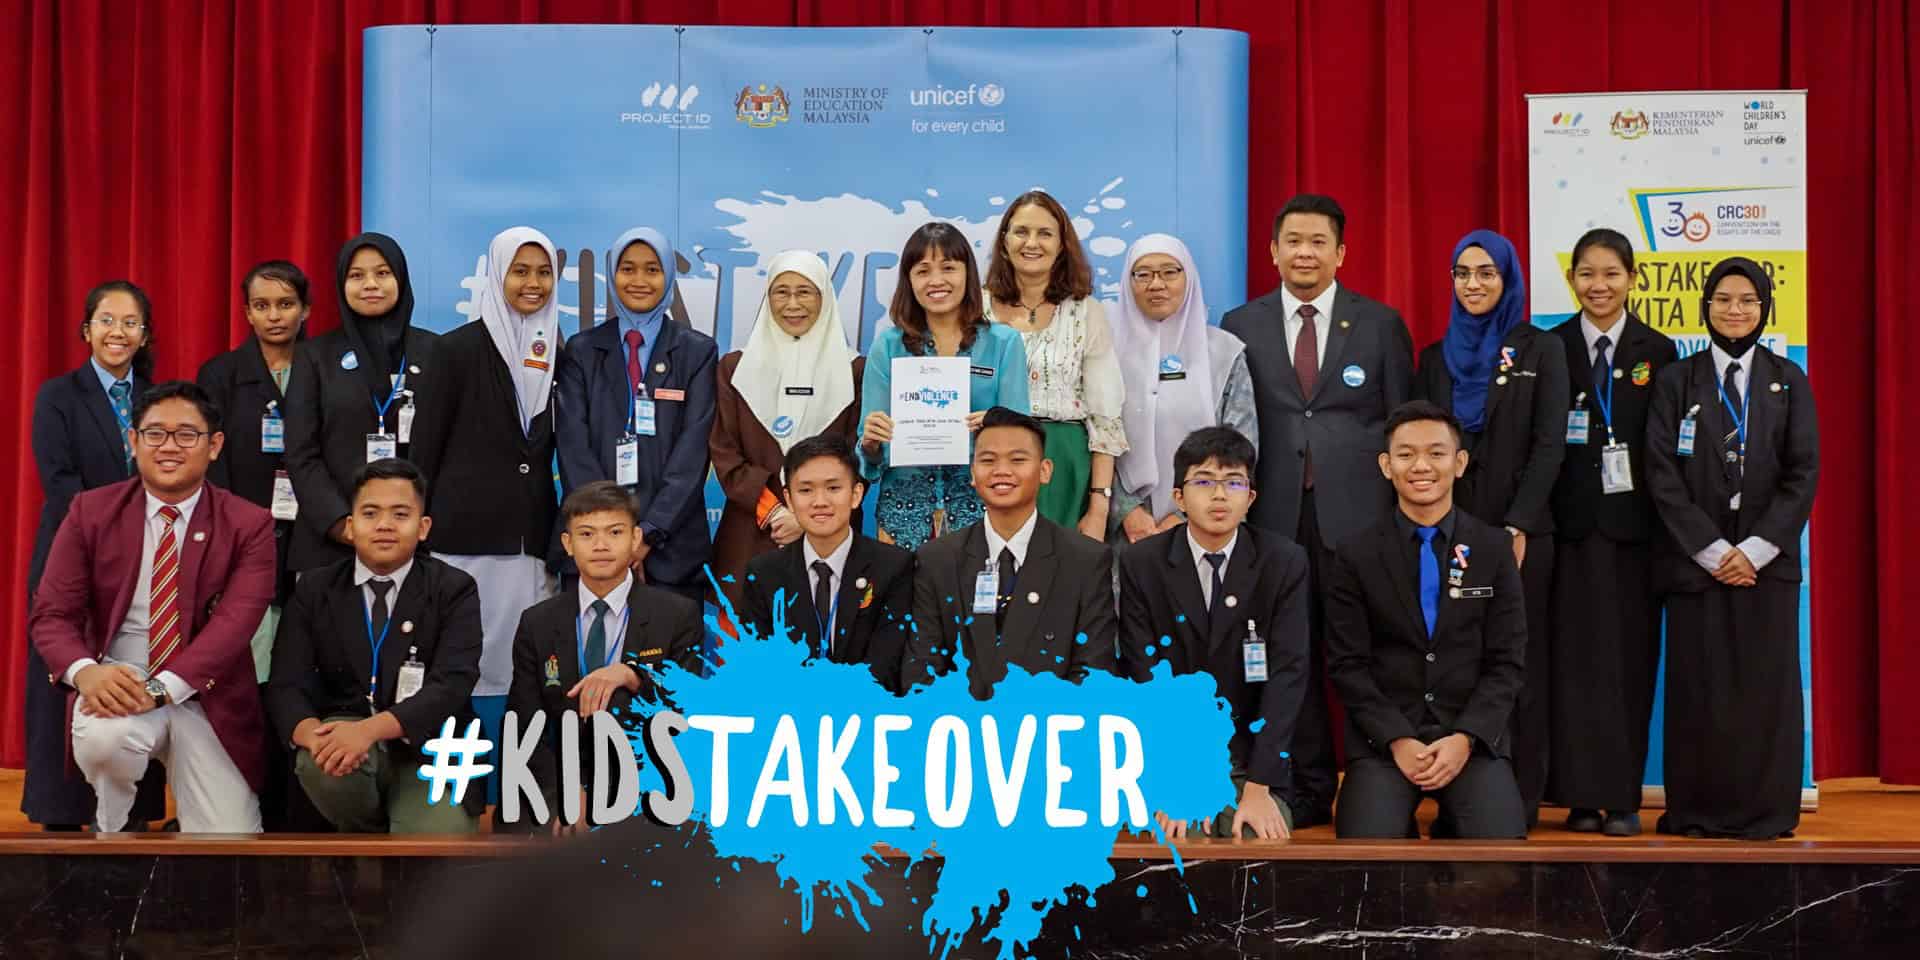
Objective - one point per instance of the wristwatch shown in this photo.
(158, 691)
(1103, 491)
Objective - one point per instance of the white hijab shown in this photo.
(774, 365)
(515, 334)
(1157, 423)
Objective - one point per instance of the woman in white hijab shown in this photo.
(797, 378)
(485, 443)
(1181, 374)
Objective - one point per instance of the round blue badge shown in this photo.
(782, 426)
(1353, 376)
(350, 361)
(1171, 364)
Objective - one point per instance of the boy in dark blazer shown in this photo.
(374, 654)
(595, 647)
(1217, 596)
(1429, 674)
(1014, 589)
(846, 596)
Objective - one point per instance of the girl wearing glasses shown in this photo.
(1506, 382)
(81, 422)
(1732, 459)
(1180, 373)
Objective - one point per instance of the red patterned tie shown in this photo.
(163, 631)
(634, 374)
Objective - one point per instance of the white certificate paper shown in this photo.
(931, 397)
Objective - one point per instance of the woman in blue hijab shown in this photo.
(1507, 383)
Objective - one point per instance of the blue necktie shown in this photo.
(121, 393)
(596, 638)
(1429, 578)
(1602, 366)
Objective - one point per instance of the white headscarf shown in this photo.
(1160, 413)
(514, 334)
(774, 361)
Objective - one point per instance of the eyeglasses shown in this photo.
(1483, 274)
(1166, 275)
(186, 437)
(1205, 486)
(129, 324)
(1744, 304)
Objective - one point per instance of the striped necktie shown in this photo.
(163, 630)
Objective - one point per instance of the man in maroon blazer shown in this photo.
(151, 594)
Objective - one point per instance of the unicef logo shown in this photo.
(782, 426)
(1171, 364)
(991, 95)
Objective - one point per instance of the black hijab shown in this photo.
(383, 336)
(1762, 285)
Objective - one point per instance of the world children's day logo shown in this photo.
(828, 764)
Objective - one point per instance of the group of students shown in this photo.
(1270, 501)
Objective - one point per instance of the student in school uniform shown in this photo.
(634, 403)
(375, 653)
(1215, 595)
(599, 646)
(1429, 674)
(352, 396)
(1606, 616)
(847, 597)
(249, 385)
(1015, 589)
(1733, 455)
(1506, 382)
(80, 441)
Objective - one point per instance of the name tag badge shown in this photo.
(626, 462)
(536, 358)
(382, 446)
(645, 420)
(980, 371)
(273, 434)
(406, 421)
(1476, 593)
(1616, 468)
(1176, 375)
(413, 676)
(1253, 656)
(799, 391)
(1577, 427)
(1685, 446)
(285, 507)
(668, 393)
(986, 591)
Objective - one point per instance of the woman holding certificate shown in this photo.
(937, 313)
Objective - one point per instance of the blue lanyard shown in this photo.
(399, 381)
(826, 639)
(373, 679)
(613, 643)
(1739, 419)
(1603, 397)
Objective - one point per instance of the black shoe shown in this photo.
(1621, 825)
(1665, 825)
(1582, 820)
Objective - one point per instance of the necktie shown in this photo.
(1216, 561)
(379, 586)
(1602, 364)
(1306, 369)
(823, 603)
(1007, 573)
(163, 632)
(634, 340)
(1732, 385)
(1429, 578)
(121, 393)
(596, 637)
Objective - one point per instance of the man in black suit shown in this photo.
(833, 582)
(1014, 589)
(1328, 365)
(596, 647)
(374, 654)
(1429, 674)
(1216, 596)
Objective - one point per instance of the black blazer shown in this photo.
(1064, 590)
(1162, 611)
(1579, 508)
(590, 414)
(322, 655)
(1343, 424)
(1516, 458)
(874, 603)
(1384, 665)
(1693, 493)
(330, 411)
(77, 446)
(490, 482)
(241, 385)
(661, 626)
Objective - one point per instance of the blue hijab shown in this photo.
(662, 248)
(1472, 344)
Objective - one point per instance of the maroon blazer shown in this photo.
(226, 582)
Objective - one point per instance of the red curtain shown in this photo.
(177, 142)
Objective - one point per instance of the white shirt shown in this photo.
(129, 644)
(1204, 568)
(837, 560)
(362, 574)
(1593, 335)
(1018, 543)
(1757, 550)
(1322, 322)
(610, 621)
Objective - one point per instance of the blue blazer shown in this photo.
(76, 447)
(590, 414)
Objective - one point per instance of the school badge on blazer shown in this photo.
(553, 671)
(866, 599)
(1642, 373)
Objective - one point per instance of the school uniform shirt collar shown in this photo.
(185, 507)
(1593, 334)
(836, 560)
(616, 598)
(1322, 303)
(1721, 360)
(1017, 543)
(1200, 553)
(362, 573)
(107, 380)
